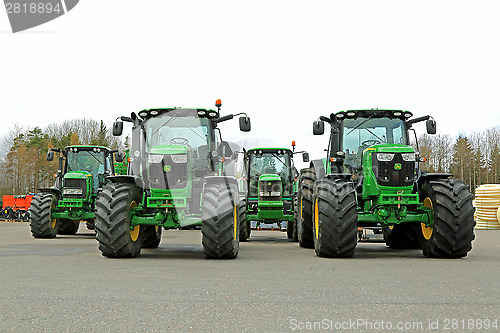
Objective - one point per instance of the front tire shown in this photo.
(402, 236)
(152, 236)
(68, 227)
(335, 218)
(304, 227)
(220, 226)
(453, 230)
(41, 223)
(113, 217)
(244, 226)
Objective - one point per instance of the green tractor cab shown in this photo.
(82, 174)
(272, 187)
(372, 178)
(176, 179)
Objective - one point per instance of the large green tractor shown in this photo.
(372, 178)
(272, 187)
(82, 173)
(176, 179)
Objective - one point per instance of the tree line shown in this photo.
(24, 168)
(474, 158)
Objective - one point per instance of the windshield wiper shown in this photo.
(370, 117)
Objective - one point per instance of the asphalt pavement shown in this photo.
(64, 284)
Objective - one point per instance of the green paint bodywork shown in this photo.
(168, 208)
(79, 208)
(271, 211)
(387, 205)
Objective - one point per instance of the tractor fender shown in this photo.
(51, 190)
(127, 179)
(221, 180)
(430, 176)
(319, 168)
(346, 176)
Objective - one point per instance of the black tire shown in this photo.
(90, 224)
(335, 218)
(116, 239)
(68, 227)
(304, 227)
(220, 226)
(42, 226)
(242, 212)
(289, 229)
(152, 236)
(402, 236)
(295, 235)
(453, 230)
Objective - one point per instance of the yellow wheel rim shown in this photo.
(301, 207)
(427, 231)
(235, 216)
(316, 218)
(134, 233)
(54, 221)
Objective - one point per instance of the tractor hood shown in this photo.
(77, 175)
(389, 148)
(269, 177)
(172, 149)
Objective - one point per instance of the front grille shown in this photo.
(387, 175)
(167, 174)
(267, 187)
(75, 184)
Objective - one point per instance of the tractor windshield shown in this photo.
(89, 161)
(180, 127)
(269, 163)
(361, 133)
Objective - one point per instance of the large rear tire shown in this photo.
(304, 227)
(113, 215)
(152, 236)
(68, 227)
(220, 226)
(402, 236)
(41, 223)
(335, 218)
(453, 230)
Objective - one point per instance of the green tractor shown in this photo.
(82, 174)
(372, 178)
(176, 179)
(272, 188)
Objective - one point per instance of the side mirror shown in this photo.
(318, 127)
(431, 126)
(119, 157)
(117, 128)
(245, 124)
(305, 157)
(50, 155)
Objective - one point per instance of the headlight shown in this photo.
(155, 158)
(408, 157)
(264, 194)
(179, 158)
(70, 191)
(275, 193)
(385, 157)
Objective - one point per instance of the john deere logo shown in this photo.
(397, 166)
(167, 168)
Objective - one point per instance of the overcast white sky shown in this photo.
(284, 63)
